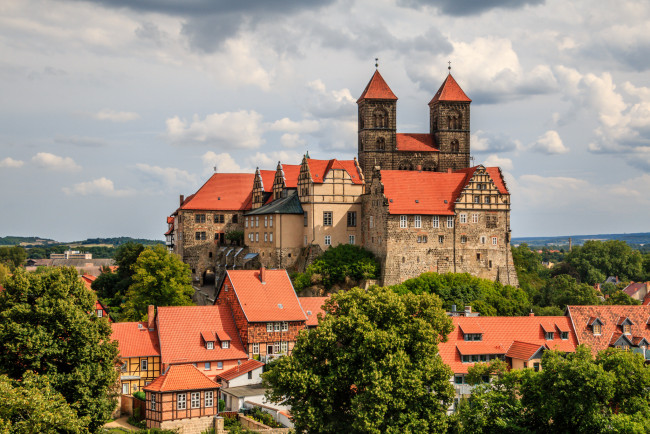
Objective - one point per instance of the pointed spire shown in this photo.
(377, 89)
(450, 91)
(307, 154)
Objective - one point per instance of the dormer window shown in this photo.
(209, 345)
(473, 336)
(564, 335)
(596, 329)
(627, 329)
(225, 345)
(625, 324)
(549, 336)
(596, 325)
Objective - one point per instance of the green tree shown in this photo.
(596, 260)
(47, 326)
(563, 290)
(369, 367)
(341, 262)
(4, 272)
(13, 256)
(160, 278)
(32, 405)
(621, 298)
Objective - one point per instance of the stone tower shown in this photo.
(377, 125)
(449, 116)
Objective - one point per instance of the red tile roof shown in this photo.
(274, 300)
(312, 307)
(320, 168)
(415, 142)
(633, 288)
(377, 89)
(450, 91)
(499, 333)
(181, 377)
(497, 178)
(135, 340)
(223, 191)
(170, 220)
(646, 300)
(523, 350)
(238, 370)
(180, 329)
(581, 316)
(470, 327)
(88, 279)
(291, 172)
(268, 176)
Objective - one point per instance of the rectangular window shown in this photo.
(627, 329)
(403, 221)
(276, 326)
(284, 347)
(477, 199)
(465, 359)
(494, 241)
(125, 388)
(417, 221)
(564, 335)
(199, 218)
(271, 237)
(285, 326)
(257, 221)
(270, 221)
(463, 218)
(351, 239)
(250, 375)
(487, 199)
(450, 221)
(305, 220)
(219, 365)
(209, 345)
(276, 347)
(266, 237)
(219, 218)
(207, 366)
(269, 327)
(195, 400)
(474, 218)
(491, 221)
(246, 222)
(100, 313)
(458, 379)
(327, 218)
(441, 239)
(234, 218)
(153, 401)
(266, 221)
(199, 236)
(549, 336)
(371, 222)
(305, 240)
(536, 366)
(256, 348)
(352, 219)
(143, 365)
(435, 221)
(209, 399)
(225, 345)
(257, 236)
(328, 240)
(596, 329)
(181, 401)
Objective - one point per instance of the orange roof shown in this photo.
(170, 220)
(181, 377)
(470, 327)
(291, 172)
(88, 279)
(499, 334)
(238, 370)
(497, 178)
(414, 192)
(180, 329)
(415, 142)
(223, 191)
(135, 340)
(609, 316)
(268, 176)
(320, 168)
(274, 300)
(312, 306)
(523, 350)
(450, 91)
(377, 89)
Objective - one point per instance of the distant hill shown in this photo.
(35, 241)
(637, 240)
(42, 242)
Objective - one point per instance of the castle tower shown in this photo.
(449, 125)
(377, 125)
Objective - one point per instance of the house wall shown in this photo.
(214, 370)
(243, 380)
(257, 334)
(166, 408)
(133, 369)
(287, 244)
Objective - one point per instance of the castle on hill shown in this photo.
(411, 199)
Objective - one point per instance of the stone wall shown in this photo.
(190, 426)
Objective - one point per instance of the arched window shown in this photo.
(381, 144)
(380, 118)
(455, 146)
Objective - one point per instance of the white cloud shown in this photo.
(270, 160)
(11, 163)
(286, 124)
(292, 140)
(115, 116)
(171, 177)
(223, 162)
(54, 162)
(100, 186)
(495, 160)
(323, 103)
(226, 130)
(483, 141)
(549, 143)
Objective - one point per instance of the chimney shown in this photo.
(182, 199)
(151, 316)
(263, 275)
(531, 313)
(468, 310)
(419, 168)
(449, 170)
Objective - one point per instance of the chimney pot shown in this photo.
(182, 199)
(531, 314)
(468, 309)
(263, 274)
(151, 316)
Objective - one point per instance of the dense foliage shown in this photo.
(336, 264)
(369, 367)
(596, 260)
(48, 327)
(572, 393)
(12, 256)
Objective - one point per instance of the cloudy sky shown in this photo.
(110, 109)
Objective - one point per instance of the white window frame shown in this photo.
(256, 348)
(219, 365)
(195, 400)
(209, 345)
(127, 387)
(257, 221)
(270, 237)
(225, 345)
(351, 239)
(266, 221)
(285, 326)
(276, 327)
(209, 398)
(450, 221)
(269, 327)
(266, 237)
(271, 221)
(246, 222)
(328, 240)
(181, 401)
(284, 347)
(403, 221)
(257, 237)
(305, 240)
(495, 241)
(417, 221)
(475, 218)
(276, 347)
(100, 313)
(143, 365)
(435, 221)
(463, 218)
(371, 222)
(153, 401)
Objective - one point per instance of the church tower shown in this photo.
(449, 125)
(377, 125)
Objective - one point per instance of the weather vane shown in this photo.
(376, 62)
(449, 67)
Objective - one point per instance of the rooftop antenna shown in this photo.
(377, 62)
(449, 67)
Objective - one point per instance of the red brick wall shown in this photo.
(227, 294)
(258, 334)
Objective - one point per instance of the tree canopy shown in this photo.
(596, 260)
(13, 256)
(48, 327)
(369, 367)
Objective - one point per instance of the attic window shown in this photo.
(219, 198)
(595, 328)
(140, 326)
(473, 336)
(391, 201)
(209, 345)
(549, 336)
(564, 335)
(225, 345)
(309, 312)
(627, 329)
(417, 201)
(446, 201)
(280, 306)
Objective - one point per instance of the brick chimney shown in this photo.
(531, 313)
(419, 168)
(182, 199)
(151, 316)
(449, 170)
(263, 275)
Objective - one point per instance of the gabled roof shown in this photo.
(523, 350)
(450, 91)
(320, 168)
(88, 279)
(312, 306)
(170, 220)
(633, 288)
(223, 191)
(415, 142)
(242, 369)
(268, 176)
(284, 205)
(180, 329)
(377, 89)
(291, 172)
(499, 334)
(181, 377)
(470, 327)
(274, 300)
(609, 316)
(135, 340)
(624, 320)
(497, 178)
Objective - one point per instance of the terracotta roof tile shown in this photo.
(499, 333)
(377, 89)
(275, 300)
(135, 340)
(435, 192)
(523, 350)
(312, 306)
(450, 91)
(497, 178)
(320, 168)
(181, 377)
(415, 142)
(180, 329)
(470, 327)
(242, 369)
(633, 288)
(223, 191)
(268, 176)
